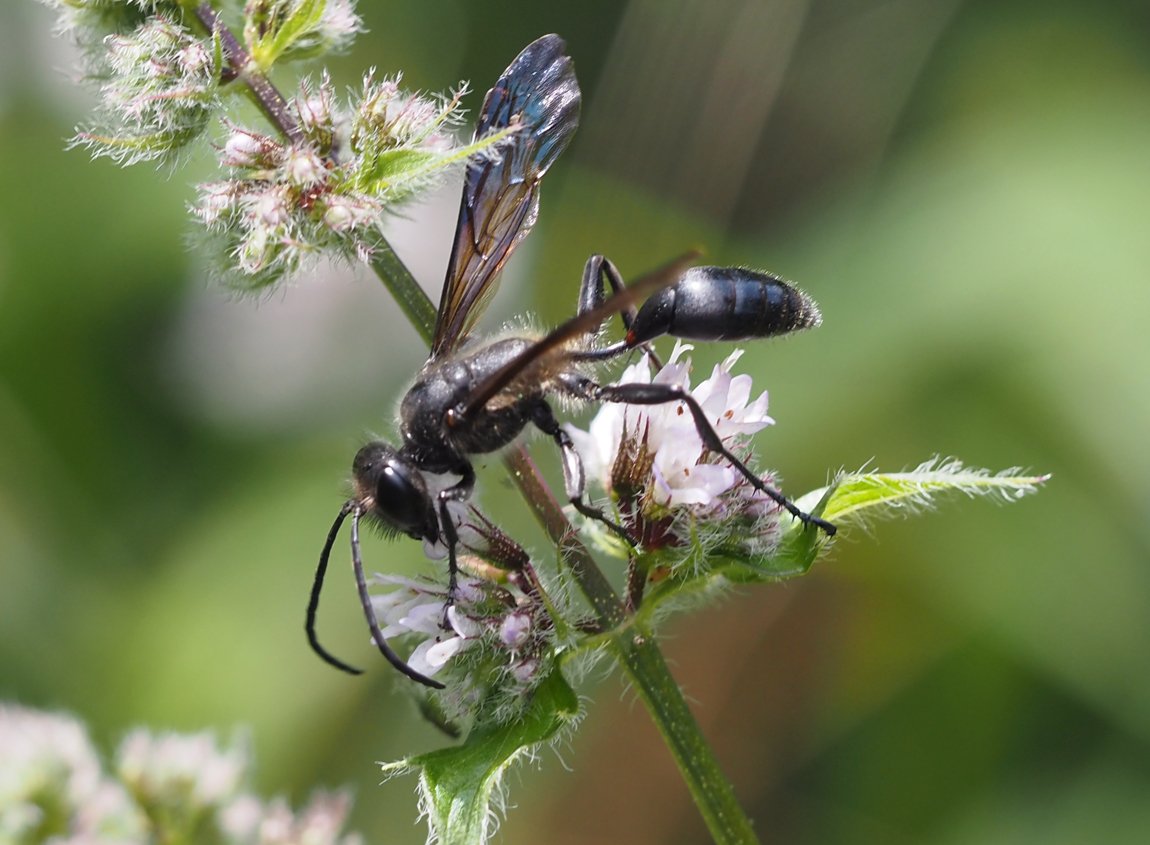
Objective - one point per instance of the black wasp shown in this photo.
(473, 397)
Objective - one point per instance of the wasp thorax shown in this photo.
(394, 490)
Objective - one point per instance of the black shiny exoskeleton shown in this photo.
(473, 398)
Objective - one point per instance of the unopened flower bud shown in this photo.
(272, 209)
(247, 149)
(195, 57)
(304, 167)
(525, 671)
(338, 216)
(216, 198)
(515, 630)
(314, 111)
(256, 250)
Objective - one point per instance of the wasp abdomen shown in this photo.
(724, 303)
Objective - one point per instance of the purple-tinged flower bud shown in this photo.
(525, 671)
(515, 630)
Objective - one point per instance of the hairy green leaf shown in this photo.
(459, 785)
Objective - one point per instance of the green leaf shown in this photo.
(400, 170)
(856, 497)
(852, 499)
(458, 784)
(275, 33)
(397, 166)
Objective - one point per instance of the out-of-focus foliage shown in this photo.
(963, 188)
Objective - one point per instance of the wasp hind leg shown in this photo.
(661, 394)
(599, 275)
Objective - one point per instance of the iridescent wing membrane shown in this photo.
(538, 93)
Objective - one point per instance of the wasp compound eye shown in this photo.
(396, 490)
(402, 500)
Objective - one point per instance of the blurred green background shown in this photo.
(964, 188)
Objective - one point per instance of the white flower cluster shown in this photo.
(319, 181)
(159, 92)
(285, 202)
(496, 633)
(165, 788)
(91, 20)
(184, 769)
(653, 461)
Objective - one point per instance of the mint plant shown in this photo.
(509, 639)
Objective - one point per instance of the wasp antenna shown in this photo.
(365, 600)
(317, 587)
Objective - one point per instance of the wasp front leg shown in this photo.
(574, 477)
(458, 492)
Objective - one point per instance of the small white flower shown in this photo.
(167, 768)
(418, 607)
(480, 616)
(431, 655)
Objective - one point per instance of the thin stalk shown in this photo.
(410, 297)
(240, 66)
(709, 788)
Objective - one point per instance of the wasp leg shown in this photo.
(458, 492)
(599, 274)
(661, 394)
(369, 612)
(574, 478)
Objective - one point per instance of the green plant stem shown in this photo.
(710, 789)
(636, 651)
(410, 297)
(240, 66)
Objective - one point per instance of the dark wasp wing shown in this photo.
(501, 196)
(578, 325)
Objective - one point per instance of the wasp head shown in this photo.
(394, 491)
